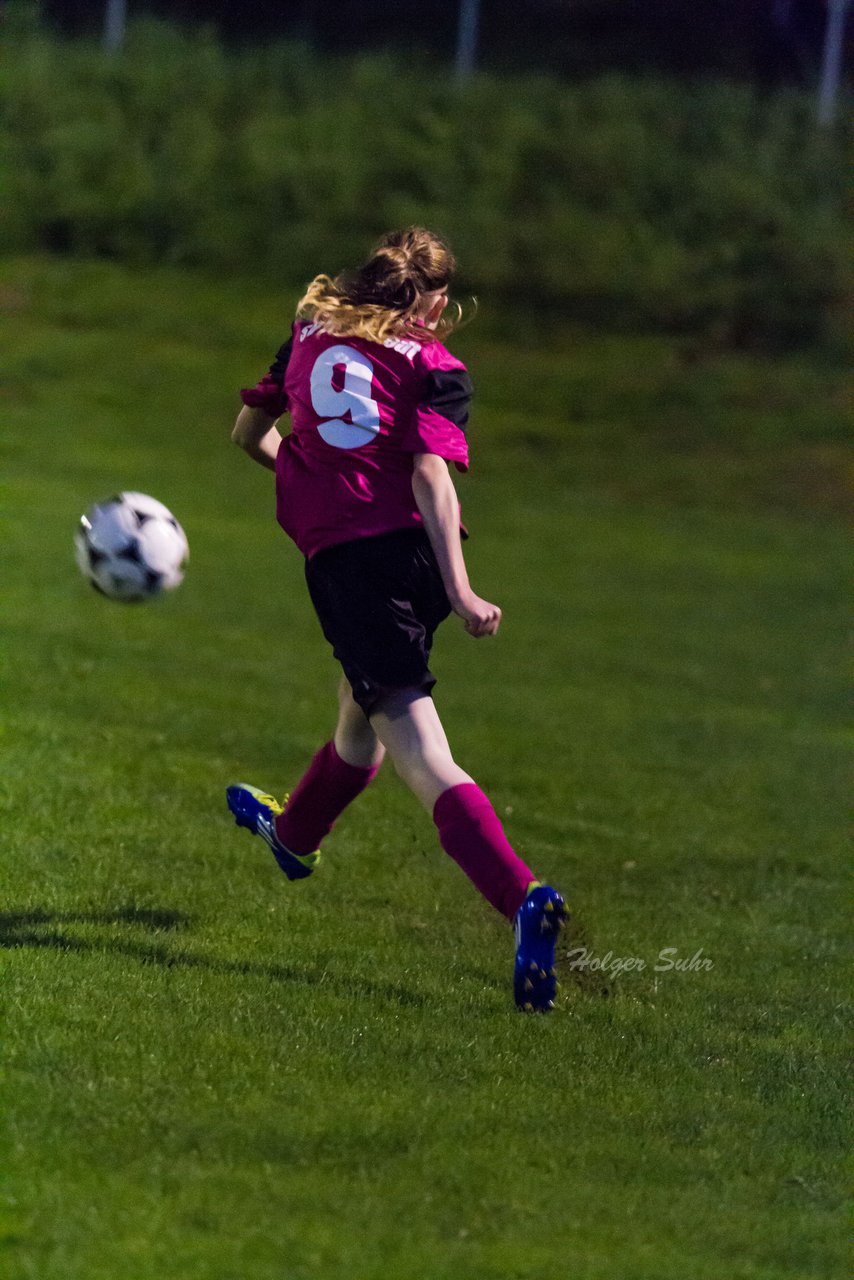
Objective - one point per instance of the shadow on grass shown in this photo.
(43, 930)
(590, 982)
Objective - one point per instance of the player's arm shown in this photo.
(436, 498)
(255, 429)
(257, 434)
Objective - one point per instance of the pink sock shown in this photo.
(470, 832)
(321, 795)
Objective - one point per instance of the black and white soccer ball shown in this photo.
(131, 547)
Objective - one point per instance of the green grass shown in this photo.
(213, 1075)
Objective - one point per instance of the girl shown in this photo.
(379, 408)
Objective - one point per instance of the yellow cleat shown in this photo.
(257, 811)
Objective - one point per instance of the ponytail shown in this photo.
(382, 299)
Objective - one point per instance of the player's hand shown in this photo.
(479, 616)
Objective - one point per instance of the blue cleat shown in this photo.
(258, 812)
(538, 922)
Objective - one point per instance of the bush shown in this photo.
(626, 202)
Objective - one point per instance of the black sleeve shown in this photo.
(449, 392)
(279, 367)
(269, 394)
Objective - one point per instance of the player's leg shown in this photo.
(354, 738)
(408, 724)
(336, 775)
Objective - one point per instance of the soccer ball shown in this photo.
(131, 547)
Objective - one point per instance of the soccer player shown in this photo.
(378, 409)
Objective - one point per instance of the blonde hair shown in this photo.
(382, 299)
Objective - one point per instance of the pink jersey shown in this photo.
(359, 411)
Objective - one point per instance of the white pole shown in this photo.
(115, 19)
(466, 38)
(831, 63)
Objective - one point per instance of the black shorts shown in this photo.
(379, 601)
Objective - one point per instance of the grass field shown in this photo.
(211, 1074)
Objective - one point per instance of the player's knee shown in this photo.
(359, 747)
(420, 769)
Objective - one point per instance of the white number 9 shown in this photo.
(355, 397)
